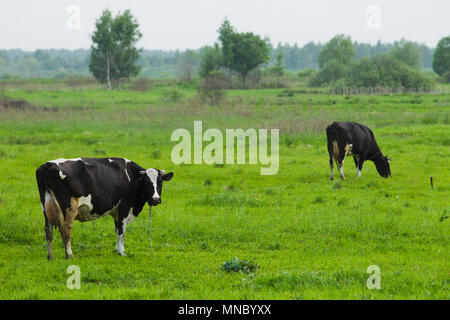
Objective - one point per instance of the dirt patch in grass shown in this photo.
(20, 104)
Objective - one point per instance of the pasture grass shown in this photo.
(310, 237)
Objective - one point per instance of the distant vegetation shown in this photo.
(59, 63)
(441, 59)
(238, 60)
(397, 69)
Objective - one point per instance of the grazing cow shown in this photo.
(351, 138)
(85, 189)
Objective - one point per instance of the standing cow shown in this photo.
(85, 189)
(351, 138)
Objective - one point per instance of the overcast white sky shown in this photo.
(181, 24)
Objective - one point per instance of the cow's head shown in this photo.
(383, 168)
(153, 181)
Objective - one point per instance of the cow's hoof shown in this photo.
(123, 254)
(50, 258)
(331, 178)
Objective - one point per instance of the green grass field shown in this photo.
(311, 237)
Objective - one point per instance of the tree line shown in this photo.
(114, 56)
(49, 63)
(398, 68)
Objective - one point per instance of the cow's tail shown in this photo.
(43, 173)
(333, 148)
(40, 178)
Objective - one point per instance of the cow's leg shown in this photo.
(66, 227)
(360, 165)
(341, 167)
(121, 227)
(49, 237)
(357, 161)
(341, 170)
(348, 150)
(331, 168)
(116, 223)
(330, 154)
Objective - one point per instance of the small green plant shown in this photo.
(443, 217)
(319, 200)
(173, 95)
(337, 185)
(156, 154)
(238, 265)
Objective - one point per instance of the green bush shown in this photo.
(330, 73)
(212, 88)
(306, 73)
(386, 71)
(238, 265)
(173, 95)
(446, 76)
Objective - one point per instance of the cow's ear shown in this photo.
(167, 176)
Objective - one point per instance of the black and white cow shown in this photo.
(85, 189)
(351, 138)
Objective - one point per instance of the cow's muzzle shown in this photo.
(155, 201)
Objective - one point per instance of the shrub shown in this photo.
(212, 88)
(446, 76)
(173, 95)
(386, 71)
(330, 73)
(238, 265)
(305, 73)
(211, 60)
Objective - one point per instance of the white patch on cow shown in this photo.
(126, 172)
(69, 250)
(47, 195)
(153, 175)
(86, 201)
(110, 160)
(341, 170)
(348, 149)
(85, 207)
(85, 210)
(358, 172)
(130, 218)
(61, 160)
(61, 175)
